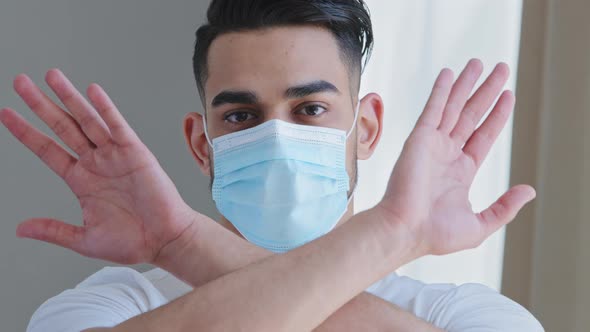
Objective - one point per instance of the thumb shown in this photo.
(505, 209)
(54, 232)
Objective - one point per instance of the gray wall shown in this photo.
(140, 51)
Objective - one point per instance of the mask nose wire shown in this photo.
(356, 116)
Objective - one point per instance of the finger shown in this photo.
(50, 152)
(459, 94)
(482, 140)
(120, 130)
(480, 103)
(432, 113)
(90, 122)
(54, 232)
(505, 209)
(60, 122)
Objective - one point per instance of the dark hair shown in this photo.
(348, 20)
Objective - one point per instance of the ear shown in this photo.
(369, 126)
(196, 140)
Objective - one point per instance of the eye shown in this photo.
(239, 117)
(312, 110)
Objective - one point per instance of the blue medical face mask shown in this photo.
(281, 184)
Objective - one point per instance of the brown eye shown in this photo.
(312, 110)
(238, 117)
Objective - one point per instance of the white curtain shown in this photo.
(414, 41)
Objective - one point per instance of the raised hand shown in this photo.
(429, 187)
(131, 208)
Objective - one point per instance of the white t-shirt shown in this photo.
(115, 294)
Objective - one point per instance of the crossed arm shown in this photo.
(133, 213)
(209, 260)
(296, 291)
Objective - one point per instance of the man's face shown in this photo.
(295, 74)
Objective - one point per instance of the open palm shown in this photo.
(430, 184)
(130, 207)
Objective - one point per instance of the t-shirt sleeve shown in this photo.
(477, 308)
(107, 298)
(466, 308)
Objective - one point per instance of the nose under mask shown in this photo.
(282, 184)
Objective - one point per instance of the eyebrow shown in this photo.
(310, 88)
(251, 98)
(235, 97)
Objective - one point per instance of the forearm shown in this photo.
(206, 252)
(211, 251)
(295, 291)
(370, 313)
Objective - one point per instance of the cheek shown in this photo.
(351, 155)
(211, 171)
(211, 164)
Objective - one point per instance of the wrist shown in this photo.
(205, 251)
(399, 239)
(180, 256)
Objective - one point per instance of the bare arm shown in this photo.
(374, 314)
(430, 182)
(295, 291)
(227, 252)
(299, 290)
(108, 148)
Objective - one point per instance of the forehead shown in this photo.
(268, 61)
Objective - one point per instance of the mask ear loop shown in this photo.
(356, 116)
(206, 131)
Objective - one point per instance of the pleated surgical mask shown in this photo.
(281, 184)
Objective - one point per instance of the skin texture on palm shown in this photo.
(117, 175)
(435, 163)
(113, 172)
(122, 190)
(446, 145)
(111, 229)
(404, 239)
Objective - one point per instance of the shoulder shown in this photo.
(106, 298)
(473, 306)
(468, 307)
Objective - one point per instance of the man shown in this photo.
(282, 131)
